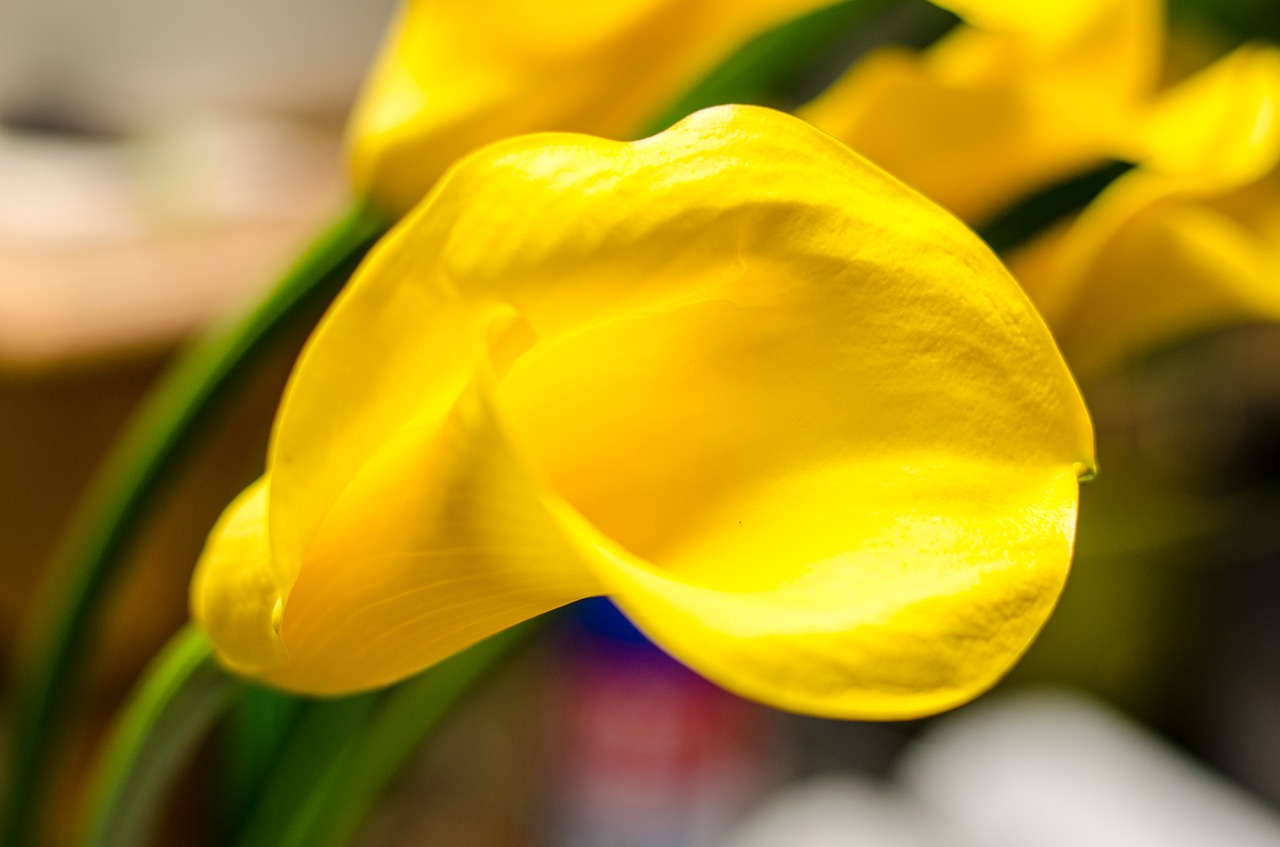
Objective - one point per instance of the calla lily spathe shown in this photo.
(453, 77)
(795, 419)
(1187, 242)
(1021, 96)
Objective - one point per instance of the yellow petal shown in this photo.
(1189, 242)
(1026, 94)
(442, 539)
(973, 149)
(885, 565)
(1119, 39)
(1175, 266)
(941, 575)
(1111, 48)
(455, 76)
(796, 418)
(1220, 128)
(235, 596)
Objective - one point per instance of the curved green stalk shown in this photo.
(253, 738)
(1037, 212)
(771, 69)
(343, 753)
(182, 694)
(128, 485)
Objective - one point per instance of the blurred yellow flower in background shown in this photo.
(795, 419)
(1023, 96)
(453, 77)
(1020, 96)
(1190, 240)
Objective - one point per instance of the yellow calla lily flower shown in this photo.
(1022, 95)
(1187, 242)
(795, 419)
(456, 76)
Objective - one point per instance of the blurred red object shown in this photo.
(648, 753)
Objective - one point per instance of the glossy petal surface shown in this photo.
(797, 420)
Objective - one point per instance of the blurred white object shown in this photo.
(215, 169)
(840, 811)
(112, 246)
(1057, 770)
(122, 63)
(162, 160)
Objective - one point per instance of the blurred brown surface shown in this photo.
(99, 284)
(484, 778)
(112, 255)
(53, 429)
(111, 246)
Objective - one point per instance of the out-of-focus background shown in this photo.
(162, 160)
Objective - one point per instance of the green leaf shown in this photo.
(345, 752)
(1039, 211)
(182, 694)
(256, 731)
(792, 62)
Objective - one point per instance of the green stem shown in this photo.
(127, 486)
(344, 752)
(183, 693)
(259, 725)
(1037, 212)
(761, 70)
